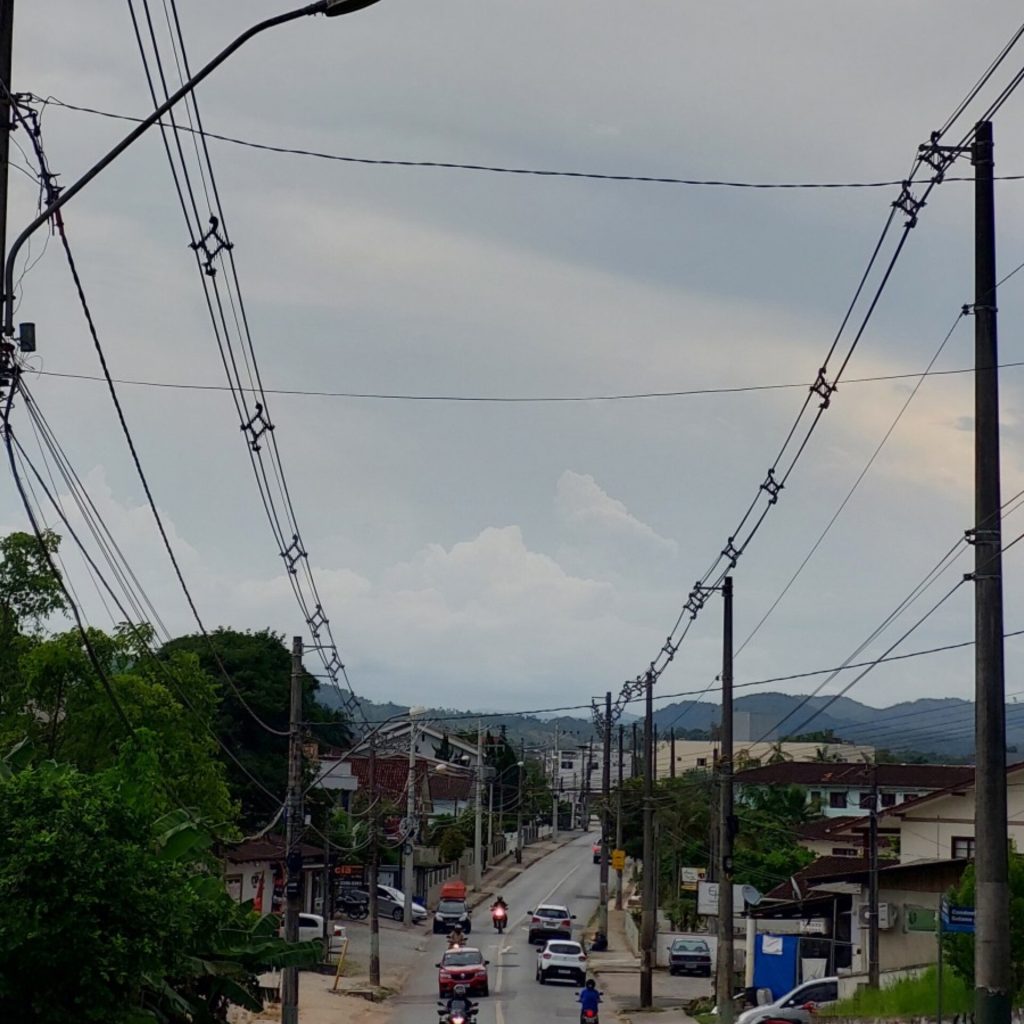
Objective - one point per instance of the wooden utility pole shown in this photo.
(724, 979)
(992, 971)
(293, 834)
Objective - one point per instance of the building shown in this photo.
(836, 788)
(575, 773)
(940, 825)
(701, 755)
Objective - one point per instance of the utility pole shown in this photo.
(408, 864)
(618, 823)
(648, 914)
(6, 90)
(992, 977)
(654, 759)
(724, 981)
(519, 803)
(873, 969)
(672, 752)
(490, 817)
(556, 787)
(293, 833)
(478, 823)
(635, 758)
(606, 793)
(374, 866)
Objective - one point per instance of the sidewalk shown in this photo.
(617, 971)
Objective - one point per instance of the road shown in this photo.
(567, 876)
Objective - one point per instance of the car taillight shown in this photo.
(545, 956)
(536, 920)
(583, 959)
(589, 1014)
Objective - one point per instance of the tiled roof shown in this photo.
(826, 828)
(267, 848)
(821, 868)
(857, 773)
(965, 783)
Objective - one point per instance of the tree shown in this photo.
(959, 948)
(453, 844)
(111, 911)
(259, 666)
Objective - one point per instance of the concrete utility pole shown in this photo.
(374, 865)
(654, 759)
(556, 787)
(649, 911)
(6, 47)
(726, 823)
(519, 803)
(478, 821)
(618, 823)
(606, 792)
(293, 834)
(672, 752)
(992, 974)
(873, 962)
(408, 865)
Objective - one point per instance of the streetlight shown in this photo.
(329, 8)
(410, 815)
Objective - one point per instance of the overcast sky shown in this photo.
(525, 555)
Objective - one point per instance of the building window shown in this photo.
(865, 801)
(815, 794)
(963, 846)
(702, 762)
(837, 799)
(568, 765)
(888, 799)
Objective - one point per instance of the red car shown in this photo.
(465, 966)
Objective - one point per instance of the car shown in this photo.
(464, 966)
(392, 901)
(311, 929)
(550, 921)
(689, 956)
(452, 912)
(596, 850)
(562, 959)
(796, 1005)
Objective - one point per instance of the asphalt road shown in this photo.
(567, 876)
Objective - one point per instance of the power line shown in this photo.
(514, 399)
(505, 170)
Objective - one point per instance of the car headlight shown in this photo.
(438, 917)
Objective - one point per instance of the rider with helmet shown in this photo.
(589, 999)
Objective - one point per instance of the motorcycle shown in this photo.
(500, 918)
(464, 1013)
(353, 907)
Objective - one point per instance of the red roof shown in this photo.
(856, 773)
(821, 868)
(267, 848)
(391, 774)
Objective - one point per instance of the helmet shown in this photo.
(591, 983)
(460, 990)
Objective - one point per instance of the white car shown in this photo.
(311, 929)
(550, 921)
(795, 1005)
(562, 959)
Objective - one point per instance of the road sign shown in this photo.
(618, 860)
(957, 919)
(707, 899)
(689, 877)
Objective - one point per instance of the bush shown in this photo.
(911, 997)
(452, 844)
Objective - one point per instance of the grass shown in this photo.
(911, 997)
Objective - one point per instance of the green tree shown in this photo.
(452, 845)
(959, 948)
(259, 666)
(111, 914)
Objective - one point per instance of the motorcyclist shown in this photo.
(499, 902)
(459, 1004)
(589, 998)
(499, 910)
(456, 937)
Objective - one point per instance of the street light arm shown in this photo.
(331, 8)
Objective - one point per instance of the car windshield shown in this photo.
(451, 907)
(551, 912)
(462, 958)
(689, 946)
(565, 948)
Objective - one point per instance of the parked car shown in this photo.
(796, 1005)
(452, 912)
(689, 956)
(550, 921)
(562, 959)
(311, 929)
(465, 966)
(391, 901)
(596, 850)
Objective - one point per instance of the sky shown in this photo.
(529, 555)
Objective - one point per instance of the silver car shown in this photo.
(794, 1005)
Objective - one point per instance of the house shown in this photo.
(255, 871)
(829, 837)
(429, 741)
(940, 825)
(830, 899)
(838, 787)
(575, 773)
(699, 755)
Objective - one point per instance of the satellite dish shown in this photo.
(751, 895)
